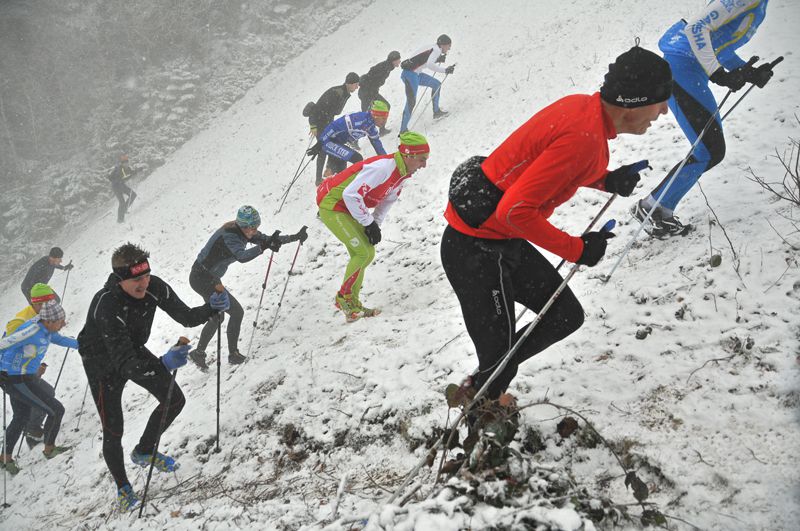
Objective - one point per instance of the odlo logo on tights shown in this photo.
(497, 306)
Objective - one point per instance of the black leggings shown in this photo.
(26, 393)
(488, 276)
(368, 97)
(148, 372)
(203, 283)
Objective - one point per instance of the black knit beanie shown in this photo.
(393, 56)
(637, 78)
(351, 78)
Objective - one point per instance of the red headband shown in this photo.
(43, 298)
(406, 149)
(379, 113)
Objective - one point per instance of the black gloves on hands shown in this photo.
(624, 179)
(594, 247)
(314, 150)
(450, 69)
(759, 76)
(734, 79)
(373, 232)
(68, 267)
(273, 243)
(302, 234)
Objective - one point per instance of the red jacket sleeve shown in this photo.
(527, 203)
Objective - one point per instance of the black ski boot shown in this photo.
(236, 358)
(199, 358)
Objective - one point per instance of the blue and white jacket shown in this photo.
(22, 352)
(713, 36)
(353, 127)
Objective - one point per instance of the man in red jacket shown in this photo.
(500, 201)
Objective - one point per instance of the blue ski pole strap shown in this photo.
(609, 225)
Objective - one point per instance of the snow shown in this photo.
(716, 418)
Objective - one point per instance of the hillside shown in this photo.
(704, 405)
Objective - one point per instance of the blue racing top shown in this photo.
(22, 352)
(713, 36)
(352, 127)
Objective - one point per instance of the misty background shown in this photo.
(82, 82)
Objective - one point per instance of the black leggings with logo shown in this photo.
(146, 371)
(488, 276)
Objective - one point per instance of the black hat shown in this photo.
(56, 252)
(393, 56)
(351, 78)
(637, 78)
(443, 39)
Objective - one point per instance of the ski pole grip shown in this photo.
(753, 60)
(776, 62)
(610, 224)
(640, 166)
(183, 340)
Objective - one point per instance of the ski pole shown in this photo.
(83, 403)
(498, 369)
(64, 361)
(181, 341)
(588, 228)
(5, 472)
(263, 289)
(288, 276)
(604, 229)
(297, 173)
(432, 97)
(752, 86)
(219, 288)
(708, 124)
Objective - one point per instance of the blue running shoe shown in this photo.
(162, 463)
(127, 500)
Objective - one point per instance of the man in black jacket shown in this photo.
(371, 83)
(112, 347)
(329, 105)
(42, 271)
(125, 196)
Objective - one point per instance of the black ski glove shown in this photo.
(624, 179)
(594, 247)
(373, 232)
(734, 79)
(760, 76)
(314, 150)
(273, 243)
(302, 234)
(450, 69)
(68, 267)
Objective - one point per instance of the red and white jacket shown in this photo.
(374, 183)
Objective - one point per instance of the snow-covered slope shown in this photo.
(321, 400)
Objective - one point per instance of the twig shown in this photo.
(706, 363)
(339, 493)
(779, 278)
(375, 483)
(700, 458)
(725, 232)
(680, 520)
(792, 247)
(754, 456)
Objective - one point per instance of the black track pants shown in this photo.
(488, 276)
(203, 283)
(146, 371)
(28, 393)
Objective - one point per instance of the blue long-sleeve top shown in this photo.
(22, 352)
(226, 246)
(351, 128)
(713, 35)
